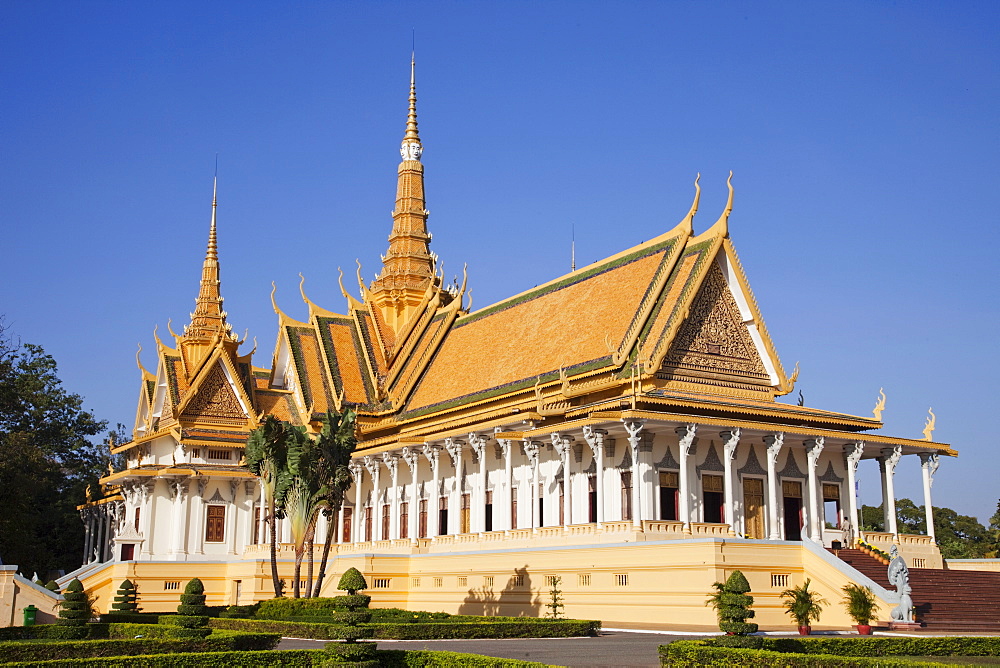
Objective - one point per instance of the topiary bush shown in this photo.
(127, 598)
(733, 604)
(52, 586)
(193, 599)
(75, 608)
(352, 581)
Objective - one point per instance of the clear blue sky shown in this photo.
(863, 137)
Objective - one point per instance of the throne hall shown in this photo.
(618, 427)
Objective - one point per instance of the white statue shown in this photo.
(899, 576)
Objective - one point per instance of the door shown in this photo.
(792, 502)
(464, 517)
(346, 535)
(669, 495)
(753, 507)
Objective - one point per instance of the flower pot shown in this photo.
(864, 629)
(805, 630)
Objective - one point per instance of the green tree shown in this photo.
(267, 458)
(127, 599)
(733, 605)
(335, 445)
(958, 536)
(304, 496)
(46, 460)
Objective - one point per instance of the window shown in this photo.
(517, 580)
(422, 520)
(380, 583)
(171, 585)
(255, 530)
(626, 495)
(831, 506)
(513, 508)
(552, 580)
(442, 515)
(488, 512)
(488, 581)
(404, 520)
(438, 582)
(215, 524)
(463, 581)
(136, 519)
(385, 522)
(128, 551)
(779, 580)
(583, 579)
(414, 582)
(541, 505)
(669, 495)
(220, 454)
(621, 579)
(713, 498)
(348, 516)
(368, 523)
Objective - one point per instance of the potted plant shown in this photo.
(861, 605)
(803, 606)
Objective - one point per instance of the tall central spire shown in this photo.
(208, 318)
(407, 266)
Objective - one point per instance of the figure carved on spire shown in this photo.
(411, 148)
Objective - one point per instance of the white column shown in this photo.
(234, 508)
(633, 428)
(178, 492)
(531, 451)
(686, 435)
(852, 458)
(454, 448)
(198, 516)
(432, 453)
(929, 465)
(412, 459)
(563, 446)
(338, 524)
(814, 448)
(85, 516)
(507, 522)
(595, 439)
(374, 469)
(358, 516)
(478, 445)
(774, 443)
(392, 463)
(888, 460)
(262, 537)
(729, 441)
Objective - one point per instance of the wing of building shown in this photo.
(618, 427)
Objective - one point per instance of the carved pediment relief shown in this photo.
(714, 337)
(215, 400)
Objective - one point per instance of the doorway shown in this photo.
(753, 508)
(792, 501)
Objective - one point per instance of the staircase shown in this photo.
(946, 601)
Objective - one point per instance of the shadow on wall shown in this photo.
(514, 600)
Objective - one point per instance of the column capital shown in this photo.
(730, 439)
(686, 434)
(854, 456)
(478, 443)
(633, 427)
(774, 444)
(411, 457)
(930, 462)
(355, 469)
(561, 443)
(391, 462)
(594, 438)
(371, 465)
(814, 447)
(453, 447)
(431, 452)
(531, 450)
(890, 457)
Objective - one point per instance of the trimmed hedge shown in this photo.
(355, 651)
(296, 657)
(184, 621)
(536, 628)
(758, 651)
(130, 617)
(220, 641)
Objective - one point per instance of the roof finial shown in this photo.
(213, 245)
(411, 148)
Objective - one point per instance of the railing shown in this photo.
(914, 539)
(709, 529)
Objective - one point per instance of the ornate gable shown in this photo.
(714, 346)
(215, 401)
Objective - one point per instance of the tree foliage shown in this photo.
(958, 536)
(733, 604)
(46, 460)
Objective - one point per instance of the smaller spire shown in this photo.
(208, 318)
(411, 147)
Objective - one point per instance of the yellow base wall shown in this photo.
(663, 582)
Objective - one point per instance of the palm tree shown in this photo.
(305, 495)
(335, 445)
(267, 458)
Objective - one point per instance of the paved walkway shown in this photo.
(611, 648)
